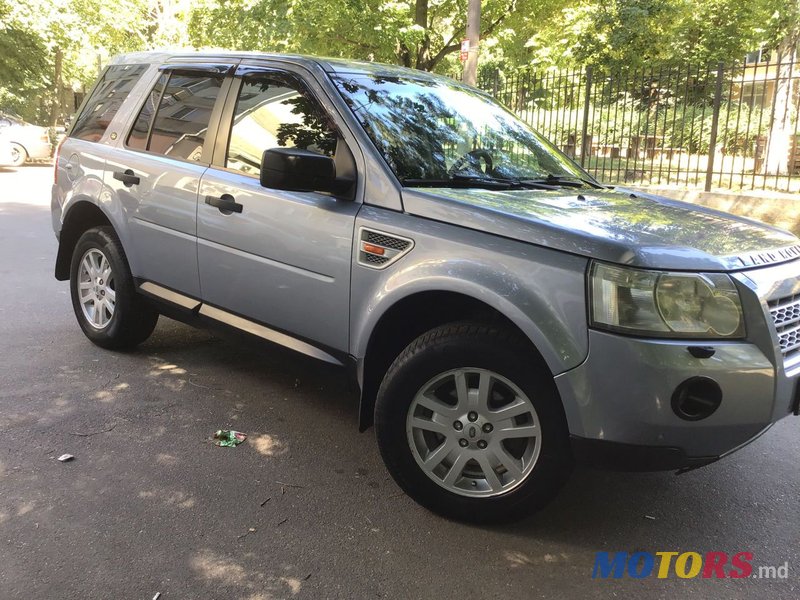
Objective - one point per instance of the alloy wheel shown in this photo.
(96, 291)
(474, 432)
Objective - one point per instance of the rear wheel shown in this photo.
(109, 311)
(18, 155)
(470, 428)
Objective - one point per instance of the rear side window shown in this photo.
(174, 118)
(108, 95)
(137, 139)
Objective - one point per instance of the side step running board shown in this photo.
(238, 322)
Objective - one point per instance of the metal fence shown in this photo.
(724, 126)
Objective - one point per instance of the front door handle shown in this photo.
(225, 203)
(128, 178)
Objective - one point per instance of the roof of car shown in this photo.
(332, 65)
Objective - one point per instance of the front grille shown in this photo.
(785, 314)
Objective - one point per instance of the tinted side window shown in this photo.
(109, 94)
(273, 110)
(137, 138)
(181, 122)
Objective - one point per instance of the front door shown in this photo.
(284, 260)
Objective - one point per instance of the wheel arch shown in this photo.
(21, 145)
(81, 216)
(418, 312)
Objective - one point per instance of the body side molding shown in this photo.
(237, 322)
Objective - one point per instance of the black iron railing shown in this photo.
(722, 126)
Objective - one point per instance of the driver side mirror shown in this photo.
(299, 170)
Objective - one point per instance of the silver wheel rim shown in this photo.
(474, 432)
(15, 154)
(96, 292)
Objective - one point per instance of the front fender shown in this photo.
(540, 290)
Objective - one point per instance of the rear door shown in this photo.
(284, 260)
(156, 171)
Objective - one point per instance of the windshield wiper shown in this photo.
(467, 181)
(461, 181)
(564, 181)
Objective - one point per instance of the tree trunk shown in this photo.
(424, 50)
(473, 35)
(58, 84)
(780, 134)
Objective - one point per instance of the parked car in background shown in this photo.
(28, 142)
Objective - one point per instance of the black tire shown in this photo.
(19, 155)
(486, 347)
(133, 319)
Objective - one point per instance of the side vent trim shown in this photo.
(379, 249)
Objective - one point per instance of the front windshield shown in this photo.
(434, 132)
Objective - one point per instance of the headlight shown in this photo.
(660, 304)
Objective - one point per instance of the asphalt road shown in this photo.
(304, 508)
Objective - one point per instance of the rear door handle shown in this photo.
(128, 178)
(225, 203)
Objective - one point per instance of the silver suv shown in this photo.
(503, 314)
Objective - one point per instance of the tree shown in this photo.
(607, 34)
(46, 45)
(23, 58)
(784, 28)
(713, 31)
(416, 33)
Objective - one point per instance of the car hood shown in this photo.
(615, 225)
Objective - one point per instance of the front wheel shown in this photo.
(470, 427)
(109, 311)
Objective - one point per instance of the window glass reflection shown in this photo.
(429, 129)
(273, 111)
(183, 116)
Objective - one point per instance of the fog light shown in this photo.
(696, 398)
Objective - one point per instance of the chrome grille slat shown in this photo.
(785, 310)
(785, 313)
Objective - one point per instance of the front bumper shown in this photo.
(602, 454)
(619, 405)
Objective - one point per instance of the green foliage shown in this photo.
(609, 34)
(627, 120)
(379, 30)
(612, 34)
(327, 28)
(23, 60)
(34, 32)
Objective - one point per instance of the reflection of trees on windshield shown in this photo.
(405, 128)
(424, 127)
